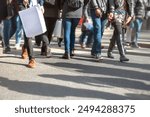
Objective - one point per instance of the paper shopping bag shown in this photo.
(33, 21)
(58, 30)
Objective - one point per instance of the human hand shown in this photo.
(42, 9)
(98, 12)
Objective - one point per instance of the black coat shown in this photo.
(3, 9)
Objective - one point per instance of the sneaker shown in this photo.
(123, 59)
(7, 50)
(83, 46)
(32, 63)
(17, 46)
(134, 45)
(66, 56)
(93, 55)
(98, 57)
(110, 55)
(72, 54)
(24, 53)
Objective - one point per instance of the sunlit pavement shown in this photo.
(79, 78)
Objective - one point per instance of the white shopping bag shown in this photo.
(33, 21)
(58, 30)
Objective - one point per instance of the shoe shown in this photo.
(7, 50)
(98, 57)
(24, 54)
(72, 54)
(123, 59)
(32, 63)
(83, 46)
(59, 41)
(17, 46)
(2, 44)
(46, 51)
(134, 45)
(110, 55)
(102, 46)
(66, 56)
(93, 55)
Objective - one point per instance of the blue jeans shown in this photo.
(86, 37)
(70, 25)
(99, 25)
(136, 26)
(18, 30)
(9, 30)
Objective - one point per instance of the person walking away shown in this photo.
(139, 14)
(98, 11)
(27, 48)
(72, 12)
(9, 28)
(121, 13)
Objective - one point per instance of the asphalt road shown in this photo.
(79, 78)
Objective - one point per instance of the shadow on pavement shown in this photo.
(43, 89)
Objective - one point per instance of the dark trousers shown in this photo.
(50, 24)
(118, 37)
(28, 45)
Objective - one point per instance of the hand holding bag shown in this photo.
(58, 30)
(33, 21)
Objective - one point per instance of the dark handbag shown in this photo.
(10, 10)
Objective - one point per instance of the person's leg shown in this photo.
(96, 49)
(136, 31)
(1, 30)
(45, 50)
(50, 24)
(75, 22)
(90, 34)
(119, 40)
(111, 45)
(18, 32)
(6, 30)
(28, 44)
(103, 24)
(13, 27)
(67, 33)
(138, 26)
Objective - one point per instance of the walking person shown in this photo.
(10, 27)
(72, 12)
(98, 11)
(51, 14)
(121, 13)
(27, 49)
(139, 14)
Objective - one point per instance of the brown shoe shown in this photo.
(66, 56)
(24, 53)
(32, 63)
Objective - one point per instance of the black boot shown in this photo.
(121, 49)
